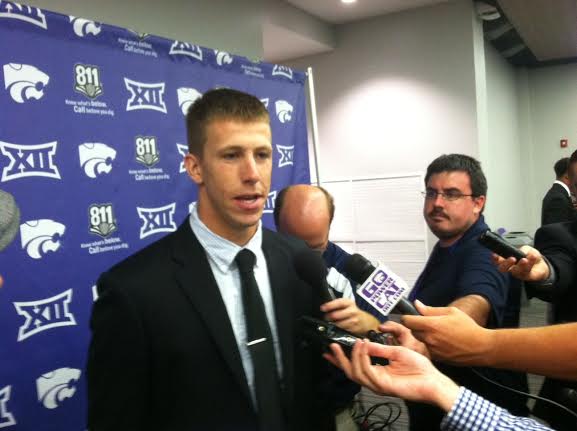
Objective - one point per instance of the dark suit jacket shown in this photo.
(558, 243)
(163, 354)
(557, 206)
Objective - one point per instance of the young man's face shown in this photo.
(233, 175)
(449, 219)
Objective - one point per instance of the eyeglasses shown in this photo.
(449, 196)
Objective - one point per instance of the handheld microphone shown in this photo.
(498, 245)
(380, 287)
(311, 268)
(9, 219)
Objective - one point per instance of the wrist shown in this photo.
(487, 342)
(446, 393)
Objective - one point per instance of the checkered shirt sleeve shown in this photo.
(474, 413)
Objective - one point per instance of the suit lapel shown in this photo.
(279, 277)
(195, 277)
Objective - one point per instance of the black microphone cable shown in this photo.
(525, 394)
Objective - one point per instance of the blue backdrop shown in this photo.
(92, 138)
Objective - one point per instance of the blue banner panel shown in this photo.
(92, 138)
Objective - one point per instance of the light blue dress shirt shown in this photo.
(221, 253)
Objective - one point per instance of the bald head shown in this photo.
(306, 212)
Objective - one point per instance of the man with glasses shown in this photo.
(460, 273)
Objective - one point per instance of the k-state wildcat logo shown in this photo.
(286, 155)
(183, 151)
(157, 220)
(186, 97)
(265, 101)
(284, 111)
(102, 220)
(45, 314)
(29, 161)
(32, 15)
(96, 158)
(83, 27)
(145, 96)
(187, 49)
(147, 150)
(269, 205)
(222, 57)
(55, 386)
(24, 82)
(6, 418)
(285, 71)
(39, 237)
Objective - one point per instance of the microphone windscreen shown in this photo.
(358, 268)
(310, 267)
(9, 219)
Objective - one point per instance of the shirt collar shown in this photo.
(220, 250)
(561, 183)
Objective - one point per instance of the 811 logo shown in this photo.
(147, 150)
(87, 80)
(102, 221)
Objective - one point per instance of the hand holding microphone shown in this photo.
(311, 268)
(470, 344)
(526, 263)
(344, 312)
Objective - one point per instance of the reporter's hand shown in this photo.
(531, 268)
(404, 337)
(346, 315)
(450, 335)
(409, 375)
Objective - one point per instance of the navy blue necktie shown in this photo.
(261, 346)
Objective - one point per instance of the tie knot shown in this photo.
(245, 260)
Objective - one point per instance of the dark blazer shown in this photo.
(163, 354)
(557, 206)
(558, 243)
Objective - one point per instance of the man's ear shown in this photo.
(193, 167)
(479, 204)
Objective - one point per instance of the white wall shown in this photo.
(550, 114)
(502, 163)
(233, 26)
(397, 91)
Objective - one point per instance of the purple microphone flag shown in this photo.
(383, 289)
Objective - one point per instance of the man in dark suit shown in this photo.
(171, 346)
(551, 275)
(557, 206)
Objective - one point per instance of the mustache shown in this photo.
(438, 213)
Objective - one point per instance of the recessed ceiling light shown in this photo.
(348, 1)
